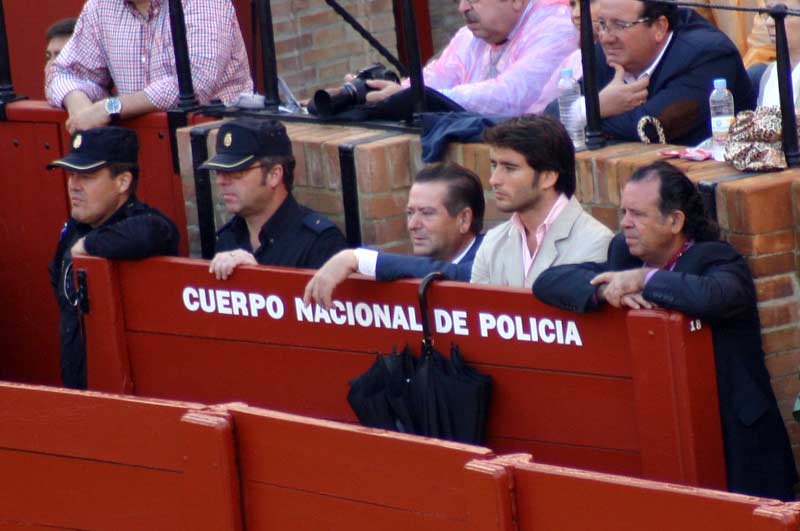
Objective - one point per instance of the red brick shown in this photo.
(761, 204)
(584, 176)
(371, 168)
(292, 44)
(778, 313)
(379, 206)
(608, 216)
(400, 248)
(783, 364)
(476, 158)
(781, 340)
(311, 21)
(391, 229)
(326, 53)
(775, 287)
(771, 264)
(787, 387)
(758, 244)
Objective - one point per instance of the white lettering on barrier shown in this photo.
(374, 315)
(226, 302)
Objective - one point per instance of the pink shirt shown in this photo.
(542, 38)
(541, 231)
(113, 41)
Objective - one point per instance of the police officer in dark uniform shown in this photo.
(254, 172)
(106, 220)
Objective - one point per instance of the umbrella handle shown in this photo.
(427, 342)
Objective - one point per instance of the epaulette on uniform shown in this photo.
(317, 222)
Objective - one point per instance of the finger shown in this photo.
(644, 303)
(309, 290)
(619, 73)
(602, 278)
(378, 83)
(630, 302)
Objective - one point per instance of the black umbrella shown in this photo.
(432, 395)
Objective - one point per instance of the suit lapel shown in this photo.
(561, 228)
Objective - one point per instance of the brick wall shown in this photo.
(445, 21)
(315, 48)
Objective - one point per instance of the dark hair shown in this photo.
(117, 168)
(288, 163)
(464, 189)
(543, 142)
(61, 28)
(654, 9)
(677, 192)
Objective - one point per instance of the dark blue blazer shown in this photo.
(682, 82)
(392, 266)
(710, 281)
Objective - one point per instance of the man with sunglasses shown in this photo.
(254, 174)
(656, 60)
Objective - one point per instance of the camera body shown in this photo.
(331, 101)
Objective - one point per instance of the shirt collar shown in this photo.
(461, 256)
(628, 78)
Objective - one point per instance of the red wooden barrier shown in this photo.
(555, 498)
(85, 460)
(630, 393)
(306, 474)
(80, 461)
(37, 208)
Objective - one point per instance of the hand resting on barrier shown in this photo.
(223, 264)
(335, 271)
(623, 289)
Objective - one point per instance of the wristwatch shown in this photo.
(113, 108)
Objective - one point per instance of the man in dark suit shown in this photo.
(444, 218)
(669, 256)
(656, 60)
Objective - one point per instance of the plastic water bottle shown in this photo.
(568, 92)
(720, 104)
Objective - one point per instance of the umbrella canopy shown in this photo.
(433, 395)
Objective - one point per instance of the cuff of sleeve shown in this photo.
(59, 88)
(367, 261)
(649, 275)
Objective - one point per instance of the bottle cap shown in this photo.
(567, 72)
(720, 83)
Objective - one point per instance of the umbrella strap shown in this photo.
(427, 342)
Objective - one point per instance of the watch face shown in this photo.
(113, 106)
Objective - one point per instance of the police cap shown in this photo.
(240, 142)
(97, 148)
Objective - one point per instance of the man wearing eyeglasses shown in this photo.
(500, 61)
(656, 60)
(254, 174)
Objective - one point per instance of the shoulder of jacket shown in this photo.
(317, 223)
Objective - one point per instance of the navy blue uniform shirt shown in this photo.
(295, 236)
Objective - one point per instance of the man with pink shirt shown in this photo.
(127, 44)
(533, 177)
(501, 60)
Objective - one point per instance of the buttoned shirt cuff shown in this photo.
(367, 261)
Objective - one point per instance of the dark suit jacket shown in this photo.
(392, 266)
(710, 281)
(682, 82)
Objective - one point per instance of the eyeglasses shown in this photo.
(238, 174)
(616, 27)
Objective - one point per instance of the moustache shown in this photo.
(471, 17)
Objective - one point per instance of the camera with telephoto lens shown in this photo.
(334, 100)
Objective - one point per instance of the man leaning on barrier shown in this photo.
(106, 220)
(127, 44)
(655, 59)
(444, 217)
(669, 255)
(500, 61)
(254, 169)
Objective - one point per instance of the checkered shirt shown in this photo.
(113, 42)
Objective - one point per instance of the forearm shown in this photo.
(136, 104)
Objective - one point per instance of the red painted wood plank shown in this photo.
(373, 467)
